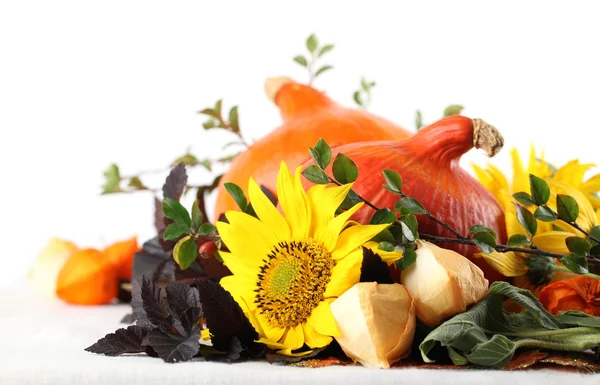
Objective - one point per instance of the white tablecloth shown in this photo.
(42, 342)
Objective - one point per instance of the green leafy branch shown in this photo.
(315, 52)
(216, 121)
(451, 110)
(362, 96)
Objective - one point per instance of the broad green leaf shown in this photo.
(419, 120)
(518, 239)
(326, 48)
(567, 208)
(325, 151)
(209, 124)
(386, 246)
(234, 119)
(576, 263)
(357, 98)
(344, 169)
(485, 241)
(312, 43)
(383, 216)
(526, 219)
(197, 217)
(175, 211)
(409, 256)
(237, 194)
(393, 181)
(112, 180)
(351, 200)
(206, 229)
(544, 214)
(314, 174)
(540, 192)
(323, 69)
(578, 318)
(174, 231)
(595, 233)
(411, 205)
(482, 229)
(185, 252)
(187, 159)
(301, 60)
(578, 245)
(136, 183)
(452, 110)
(457, 358)
(410, 227)
(494, 353)
(524, 198)
(209, 112)
(218, 107)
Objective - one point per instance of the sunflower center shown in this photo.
(292, 281)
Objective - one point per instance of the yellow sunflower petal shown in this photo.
(537, 165)
(241, 290)
(322, 320)
(337, 224)
(553, 241)
(587, 215)
(247, 236)
(294, 202)
(591, 185)
(324, 202)
(313, 338)
(270, 332)
(508, 264)
(572, 173)
(386, 256)
(353, 237)
(293, 338)
(238, 265)
(267, 212)
(344, 275)
(520, 177)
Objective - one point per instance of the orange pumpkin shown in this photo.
(307, 115)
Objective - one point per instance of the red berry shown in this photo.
(207, 250)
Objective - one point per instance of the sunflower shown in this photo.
(287, 268)
(568, 180)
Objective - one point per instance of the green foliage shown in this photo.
(595, 233)
(315, 51)
(518, 239)
(524, 198)
(344, 169)
(237, 194)
(197, 216)
(112, 182)
(540, 192)
(216, 120)
(410, 227)
(409, 256)
(351, 200)
(383, 216)
(410, 206)
(393, 181)
(136, 183)
(362, 96)
(576, 263)
(453, 110)
(175, 230)
(482, 229)
(545, 214)
(578, 246)
(485, 241)
(526, 219)
(206, 229)
(314, 174)
(418, 120)
(175, 211)
(185, 252)
(386, 246)
(567, 208)
(321, 154)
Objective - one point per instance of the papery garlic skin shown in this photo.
(44, 271)
(376, 323)
(443, 283)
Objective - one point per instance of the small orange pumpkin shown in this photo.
(307, 115)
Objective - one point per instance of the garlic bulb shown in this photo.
(44, 272)
(443, 283)
(376, 323)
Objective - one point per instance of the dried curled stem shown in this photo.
(487, 137)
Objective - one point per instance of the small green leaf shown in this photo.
(386, 246)
(312, 43)
(323, 69)
(112, 181)
(237, 194)
(136, 183)
(175, 211)
(485, 241)
(545, 214)
(185, 252)
(209, 124)
(410, 227)
(482, 229)
(250, 210)
(218, 107)
(326, 48)
(206, 229)
(174, 231)
(452, 110)
(344, 169)
(567, 207)
(383, 216)
(207, 164)
(595, 233)
(321, 154)
(351, 200)
(540, 192)
(518, 239)
(576, 263)
(393, 181)
(409, 256)
(419, 120)
(357, 98)
(301, 60)
(197, 217)
(315, 174)
(209, 112)
(412, 205)
(187, 159)
(526, 219)
(234, 119)
(578, 245)
(524, 198)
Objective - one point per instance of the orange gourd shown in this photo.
(307, 115)
(429, 165)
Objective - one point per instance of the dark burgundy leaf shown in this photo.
(148, 260)
(374, 269)
(175, 182)
(124, 295)
(154, 313)
(184, 303)
(159, 215)
(224, 318)
(122, 341)
(175, 347)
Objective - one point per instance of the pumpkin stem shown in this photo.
(295, 99)
(487, 137)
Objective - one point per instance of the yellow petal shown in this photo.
(294, 202)
(336, 225)
(587, 215)
(239, 265)
(322, 320)
(324, 201)
(293, 338)
(553, 241)
(267, 212)
(572, 173)
(345, 274)
(508, 264)
(386, 256)
(270, 332)
(313, 338)
(520, 177)
(242, 291)
(355, 236)
(591, 185)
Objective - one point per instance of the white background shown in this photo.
(84, 84)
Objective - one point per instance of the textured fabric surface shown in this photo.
(42, 342)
